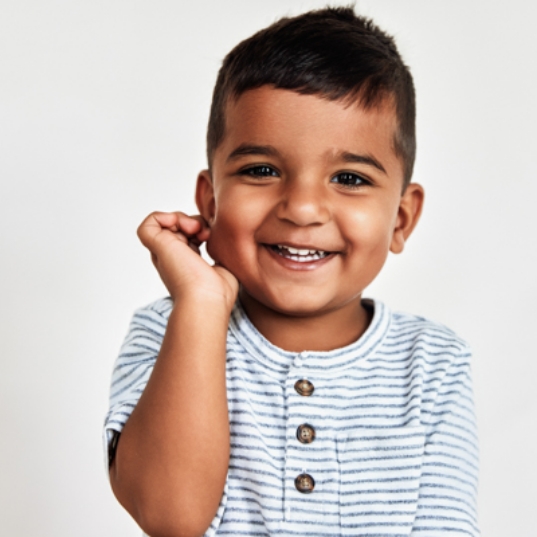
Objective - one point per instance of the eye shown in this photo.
(259, 171)
(349, 179)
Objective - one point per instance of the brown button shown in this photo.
(304, 387)
(304, 483)
(305, 434)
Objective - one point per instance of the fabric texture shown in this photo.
(395, 446)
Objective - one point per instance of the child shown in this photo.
(265, 396)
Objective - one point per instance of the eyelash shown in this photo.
(259, 171)
(350, 180)
(359, 180)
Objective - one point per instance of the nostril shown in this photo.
(303, 210)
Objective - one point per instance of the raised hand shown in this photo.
(159, 462)
(173, 240)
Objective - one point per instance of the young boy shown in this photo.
(265, 396)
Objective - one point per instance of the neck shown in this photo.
(325, 331)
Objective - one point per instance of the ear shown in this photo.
(408, 214)
(205, 196)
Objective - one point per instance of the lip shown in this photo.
(298, 265)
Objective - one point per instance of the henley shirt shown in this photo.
(374, 439)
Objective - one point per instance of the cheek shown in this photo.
(228, 232)
(369, 230)
(218, 243)
(212, 250)
(240, 213)
(221, 236)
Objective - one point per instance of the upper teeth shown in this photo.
(300, 251)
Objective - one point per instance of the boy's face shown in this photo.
(298, 172)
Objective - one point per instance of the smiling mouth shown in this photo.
(302, 255)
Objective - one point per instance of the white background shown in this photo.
(103, 108)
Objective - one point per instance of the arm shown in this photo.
(171, 461)
(448, 486)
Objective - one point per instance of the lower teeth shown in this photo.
(304, 257)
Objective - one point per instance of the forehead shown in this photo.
(310, 127)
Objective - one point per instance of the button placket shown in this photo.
(300, 478)
(305, 433)
(304, 482)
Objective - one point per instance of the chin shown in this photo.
(299, 304)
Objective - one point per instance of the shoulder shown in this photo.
(424, 338)
(433, 358)
(409, 327)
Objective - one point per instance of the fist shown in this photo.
(173, 239)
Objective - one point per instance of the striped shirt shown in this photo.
(374, 439)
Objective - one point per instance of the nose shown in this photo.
(304, 202)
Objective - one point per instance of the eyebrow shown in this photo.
(362, 159)
(251, 149)
(270, 151)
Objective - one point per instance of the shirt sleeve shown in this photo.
(133, 368)
(448, 485)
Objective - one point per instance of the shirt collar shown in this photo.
(280, 361)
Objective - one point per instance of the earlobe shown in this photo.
(205, 196)
(409, 213)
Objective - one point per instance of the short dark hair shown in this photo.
(330, 52)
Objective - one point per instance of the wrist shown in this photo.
(199, 301)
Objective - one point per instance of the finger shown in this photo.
(182, 226)
(169, 221)
(190, 225)
(205, 232)
(199, 234)
(154, 224)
